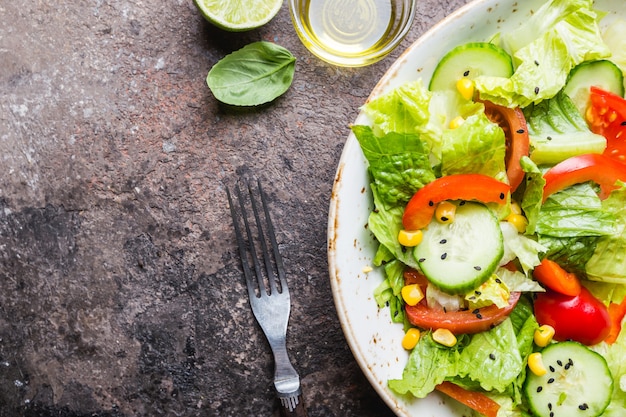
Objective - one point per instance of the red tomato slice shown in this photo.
(582, 168)
(420, 209)
(513, 122)
(582, 318)
(606, 116)
(473, 399)
(462, 321)
(550, 274)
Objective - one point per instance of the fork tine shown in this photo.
(272, 236)
(240, 242)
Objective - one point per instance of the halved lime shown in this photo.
(238, 15)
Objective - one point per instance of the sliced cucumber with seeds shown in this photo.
(602, 73)
(470, 60)
(578, 383)
(459, 256)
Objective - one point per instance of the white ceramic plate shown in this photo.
(375, 341)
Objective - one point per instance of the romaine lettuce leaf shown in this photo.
(476, 146)
(557, 37)
(608, 262)
(398, 164)
(557, 131)
(385, 224)
(575, 212)
(533, 193)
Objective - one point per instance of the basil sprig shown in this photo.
(254, 75)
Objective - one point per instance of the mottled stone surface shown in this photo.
(120, 286)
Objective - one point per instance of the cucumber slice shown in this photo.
(578, 382)
(470, 60)
(602, 73)
(459, 256)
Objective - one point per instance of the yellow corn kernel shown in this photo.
(410, 339)
(465, 86)
(444, 337)
(515, 207)
(412, 294)
(543, 335)
(456, 122)
(519, 221)
(445, 212)
(535, 363)
(410, 237)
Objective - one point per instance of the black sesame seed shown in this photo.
(462, 203)
(431, 203)
(444, 219)
(420, 260)
(498, 281)
(536, 62)
(539, 388)
(478, 268)
(583, 406)
(551, 380)
(520, 131)
(476, 311)
(502, 196)
(443, 241)
(477, 292)
(466, 73)
(445, 310)
(623, 123)
(536, 90)
(479, 316)
(472, 298)
(444, 255)
(492, 356)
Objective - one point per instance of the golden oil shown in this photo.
(349, 32)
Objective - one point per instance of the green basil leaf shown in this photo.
(255, 74)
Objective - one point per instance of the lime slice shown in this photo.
(238, 15)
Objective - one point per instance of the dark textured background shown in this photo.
(120, 287)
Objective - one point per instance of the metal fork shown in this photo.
(267, 290)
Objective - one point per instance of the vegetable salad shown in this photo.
(500, 212)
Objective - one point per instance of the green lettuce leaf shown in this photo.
(575, 212)
(532, 198)
(402, 110)
(476, 146)
(557, 131)
(429, 364)
(608, 262)
(557, 37)
(385, 224)
(398, 164)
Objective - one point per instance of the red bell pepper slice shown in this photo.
(553, 276)
(617, 311)
(420, 209)
(603, 170)
(473, 399)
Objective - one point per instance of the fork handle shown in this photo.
(299, 411)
